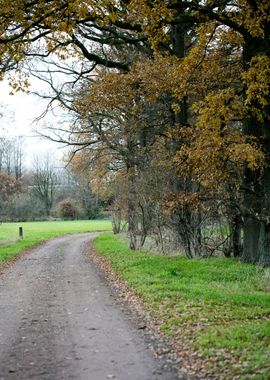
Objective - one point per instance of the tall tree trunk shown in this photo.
(256, 246)
(132, 223)
(264, 238)
(184, 221)
(132, 212)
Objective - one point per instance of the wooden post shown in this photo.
(21, 232)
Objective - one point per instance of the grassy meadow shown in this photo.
(38, 232)
(216, 310)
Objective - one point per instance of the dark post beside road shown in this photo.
(21, 232)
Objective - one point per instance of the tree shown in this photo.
(9, 187)
(249, 22)
(238, 32)
(213, 61)
(44, 182)
(11, 156)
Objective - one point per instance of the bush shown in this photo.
(22, 207)
(68, 209)
(93, 211)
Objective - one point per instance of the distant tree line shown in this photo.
(41, 192)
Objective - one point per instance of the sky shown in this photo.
(19, 114)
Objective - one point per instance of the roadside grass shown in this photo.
(217, 310)
(38, 232)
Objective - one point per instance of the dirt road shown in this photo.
(59, 320)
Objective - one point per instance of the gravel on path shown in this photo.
(59, 320)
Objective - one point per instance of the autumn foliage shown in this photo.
(170, 105)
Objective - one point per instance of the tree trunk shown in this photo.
(264, 245)
(182, 218)
(132, 223)
(256, 246)
(132, 214)
(236, 245)
(264, 238)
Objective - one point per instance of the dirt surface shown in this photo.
(60, 320)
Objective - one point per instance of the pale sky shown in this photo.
(20, 111)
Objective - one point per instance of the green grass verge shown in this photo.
(217, 308)
(38, 232)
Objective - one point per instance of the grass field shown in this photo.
(37, 232)
(216, 310)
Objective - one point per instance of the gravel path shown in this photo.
(59, 320)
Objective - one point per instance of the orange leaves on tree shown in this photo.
(257, 81)
(217, 147)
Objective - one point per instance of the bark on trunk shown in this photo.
(257, 185)
(186, 230)
(236, 244)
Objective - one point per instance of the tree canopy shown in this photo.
(170, 99)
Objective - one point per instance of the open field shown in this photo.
(217, 311)
(37, 232)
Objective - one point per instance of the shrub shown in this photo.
(68, 209)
